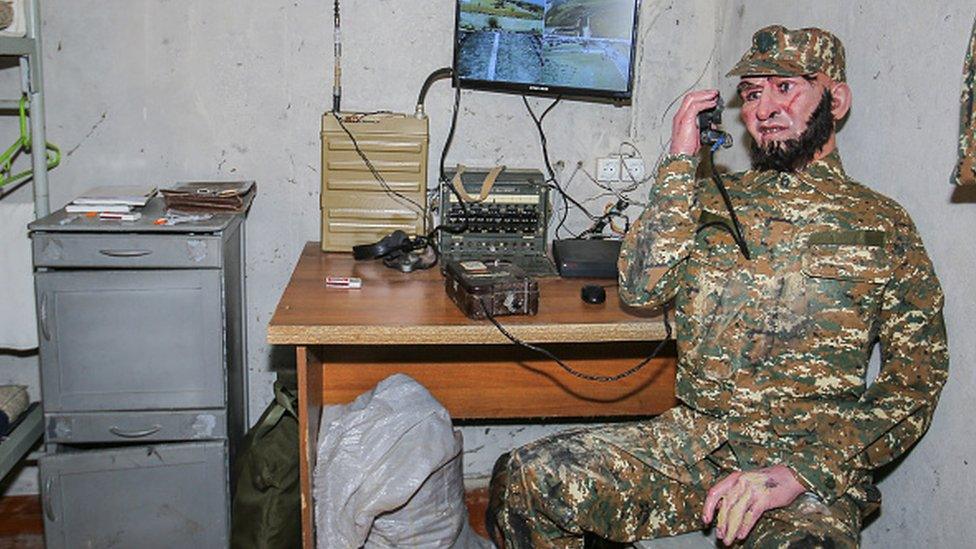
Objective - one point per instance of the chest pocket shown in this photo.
(846, 272)
(848, 255)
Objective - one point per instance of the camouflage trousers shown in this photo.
(624, 483)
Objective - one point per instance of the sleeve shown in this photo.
(659, 241)
(896, 410)
(966, 168)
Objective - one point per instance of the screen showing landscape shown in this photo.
(574, 44)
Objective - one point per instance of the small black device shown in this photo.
(709, 121)
(593, 294)
(582, 258)
(398, 251)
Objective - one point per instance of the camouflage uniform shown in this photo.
(773, 354)
(966, 169)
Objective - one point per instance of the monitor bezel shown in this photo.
(522, 88)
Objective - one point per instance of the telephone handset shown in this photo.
(714, 138)
(709, 121)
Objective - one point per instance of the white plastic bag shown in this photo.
(388, 473)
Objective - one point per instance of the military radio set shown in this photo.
(504, 218)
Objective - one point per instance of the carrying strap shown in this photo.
(283, 404)
(285, 398)
(485, 186)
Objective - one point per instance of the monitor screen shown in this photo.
(567, 47)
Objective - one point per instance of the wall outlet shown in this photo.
(608, 169)
(633, 170)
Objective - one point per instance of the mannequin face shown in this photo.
(792, 119)
(776, 109)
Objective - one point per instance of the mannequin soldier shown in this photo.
(776, 431)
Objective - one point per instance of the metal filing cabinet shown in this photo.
(143, 378)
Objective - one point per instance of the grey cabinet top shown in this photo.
(62, 221)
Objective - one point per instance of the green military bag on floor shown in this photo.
(266, 509)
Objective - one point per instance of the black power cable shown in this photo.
(446, 72)
(440, 74)
(736, 229)
(582, 375)
(552, 182)
(442, 179)
(375, 173)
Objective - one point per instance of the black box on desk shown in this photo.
(480, 289)
(579, 258)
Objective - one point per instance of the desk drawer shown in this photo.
(79, 427)
(126, 251)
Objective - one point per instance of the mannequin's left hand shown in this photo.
(742, 497)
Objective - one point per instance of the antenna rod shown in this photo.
(337, 76)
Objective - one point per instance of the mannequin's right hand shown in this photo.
(685, 134)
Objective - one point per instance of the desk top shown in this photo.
(413, 308)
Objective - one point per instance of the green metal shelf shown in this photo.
(28, 50)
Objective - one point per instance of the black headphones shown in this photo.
(399, 251)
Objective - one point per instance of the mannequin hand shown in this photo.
(685, 134)
(742, 497)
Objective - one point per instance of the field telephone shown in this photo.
(713, 137)
(709, 122)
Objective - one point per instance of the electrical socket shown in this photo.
(608, 169)
(633, 170)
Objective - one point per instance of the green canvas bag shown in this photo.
(266, 510)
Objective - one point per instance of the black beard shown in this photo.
(793, 154)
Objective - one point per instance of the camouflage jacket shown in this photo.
(966, 168)
(775, 350)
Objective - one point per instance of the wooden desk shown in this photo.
(349, 340)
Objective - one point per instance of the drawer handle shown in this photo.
(125, 253)
(45, 331)
(135, 434)
(48, 505)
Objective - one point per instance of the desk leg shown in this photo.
(309, 412)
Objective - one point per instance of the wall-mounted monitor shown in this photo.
(560, 47)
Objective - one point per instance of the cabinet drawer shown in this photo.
(131, 340)
(166, 495)
(126, 251)
(350, 218)
(80, 427)
(383, 162)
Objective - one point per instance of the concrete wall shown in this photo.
(164, 90)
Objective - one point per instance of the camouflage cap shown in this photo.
(779, 51)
